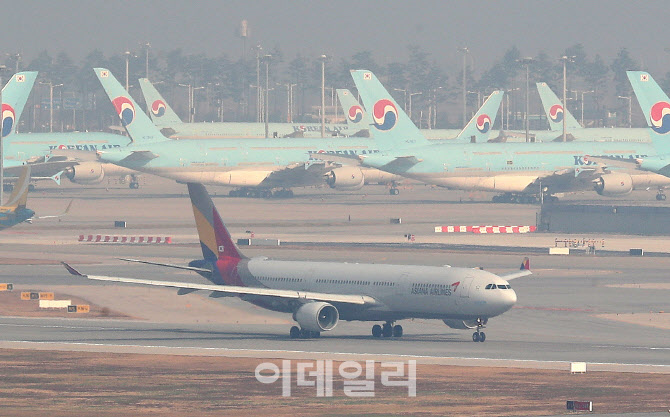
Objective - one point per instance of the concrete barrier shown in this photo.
(258, 242)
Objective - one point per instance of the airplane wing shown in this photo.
(188, 268)
(401, 164)
(140, 156)
(297, 175)
(230, 289)
(64, 213)
(516, 274)
(41, 170)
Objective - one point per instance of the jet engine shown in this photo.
(317, 316)
(611, 185)
(86, 173)
(462, 324)
(345, 178)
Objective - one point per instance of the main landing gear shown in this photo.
(660, 196)
(298, 333)
(260, 193)
(394, 189)
(479, 336)
(387, 330)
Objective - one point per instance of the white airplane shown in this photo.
(319, 294)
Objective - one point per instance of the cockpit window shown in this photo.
(488, 287)
(504, 287)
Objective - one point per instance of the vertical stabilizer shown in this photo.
(357, 118)
(161, 113)
(137, 124)
(215, 240)
(390, 126)
(555, 111)
(14, 97)
(19, 196)
(655, 107)
(479, 127)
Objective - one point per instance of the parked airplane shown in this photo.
(49, 154)
(258, 167)
(574, 131)
(319, 294)
(171, 125)
(520, 170)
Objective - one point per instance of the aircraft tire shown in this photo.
(482, 336)
(295, 332)
(377, 330)
(31, 187)
(387, 330)
(394, 191)
(397, 330)
(475, 337)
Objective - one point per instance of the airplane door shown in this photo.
(464, 288)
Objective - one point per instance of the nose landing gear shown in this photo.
(479, 336)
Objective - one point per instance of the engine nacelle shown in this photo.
(614, 184)
(462, 324)
(86, 173)
(317, 316)
(346, 178)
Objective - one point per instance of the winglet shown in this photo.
(71, 270)
(525, 264)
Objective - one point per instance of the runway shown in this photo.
(558, 317)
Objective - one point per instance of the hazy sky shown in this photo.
(341, 27)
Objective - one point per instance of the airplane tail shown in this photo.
(479, 127)
(161, 113)
(138, 125)
(655, 106)
(390, 126)
(215, 240)
(19, 196)
(357, 118)
(14, 97)
(554, 110)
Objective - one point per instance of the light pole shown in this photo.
(584, 92)
(526, 61)
(465, 51)
(259, 101)
(127, 54)
(323, 59)
(410, 102)
(507, 106)
(630, 120)
(565, 60)
(404, 107)
(51, 104)
(147, 46)
(2, 155)
(191, 101)
(266, 59)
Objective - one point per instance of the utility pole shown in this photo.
(527, 61)
(465, 52)
(267, 59)
(2, 135)
(565, 60)
(323, 95)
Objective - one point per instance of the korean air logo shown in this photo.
(556, 113)
(8, 119)
(158, 108)
(125, 110)
(659, 117)
(384, 115)
(483, 123)
(355, 114)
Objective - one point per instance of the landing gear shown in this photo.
(134, 182)
(660, 196)
(521, 198)
(394, 191)
(31, 187)
(387, 330)
(298, 333)
(479, 336)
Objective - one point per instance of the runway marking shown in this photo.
(456, 361)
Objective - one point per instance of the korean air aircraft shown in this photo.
(172, 126)
(520, 170)
(49, 154)
(555, 114)
(655, 106)
(320, 294)
(257, 167)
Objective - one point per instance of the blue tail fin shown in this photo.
(391, 128)
(14, 97)
(655, 107)
(137, 124)
(357, 118)
(161, 113)
(479, 127)
(554, 110)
